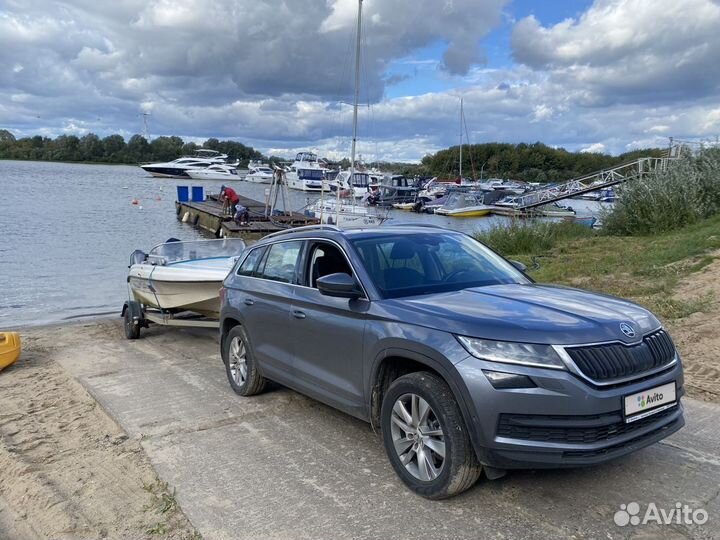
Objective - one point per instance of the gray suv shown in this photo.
(462, 360)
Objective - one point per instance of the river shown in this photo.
(67, 231)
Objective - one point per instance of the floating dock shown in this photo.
(208, 215)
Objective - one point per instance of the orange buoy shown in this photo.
(135, 201)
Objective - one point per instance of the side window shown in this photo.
(248, 265)
(326, 259)
(281, 261)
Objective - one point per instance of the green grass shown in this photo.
(642, 268)
(526, 237)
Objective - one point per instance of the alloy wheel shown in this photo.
(238, 361)
(417, 436)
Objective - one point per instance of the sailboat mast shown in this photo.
(357, 89)
(461, 134)
(356, 99)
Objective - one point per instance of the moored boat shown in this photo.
(464, 204)
(214, 172)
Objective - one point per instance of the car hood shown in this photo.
(528, 313)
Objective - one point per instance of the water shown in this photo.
(67, 231)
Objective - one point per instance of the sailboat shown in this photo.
(348, 214)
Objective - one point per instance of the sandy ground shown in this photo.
(67, 470)
(698, 336)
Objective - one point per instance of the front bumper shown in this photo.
(564, 421)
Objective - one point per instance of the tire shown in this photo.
(441, 429)
(240, 366)
(132, 330)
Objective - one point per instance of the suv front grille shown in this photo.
(573, 429)
(615, 360)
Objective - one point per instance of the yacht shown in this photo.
(356, 184)
(306, 173)
(397, 189)
(214, 172)
(178, 168)
(259, 174)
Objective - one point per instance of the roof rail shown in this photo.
(304, 228)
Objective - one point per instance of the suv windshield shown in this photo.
(412, 264)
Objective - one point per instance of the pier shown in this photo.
(208, 216)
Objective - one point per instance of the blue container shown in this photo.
(198, 193)
(183, 194)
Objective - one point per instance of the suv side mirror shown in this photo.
(339, 285)
(520, 266)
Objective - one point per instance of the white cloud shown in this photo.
(626, 73)
(595, 148)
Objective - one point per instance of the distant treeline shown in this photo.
(530, 162)
(112, 149)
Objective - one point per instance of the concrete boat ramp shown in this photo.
(280, 465)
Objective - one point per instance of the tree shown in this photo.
(137, 150)
(114, 148)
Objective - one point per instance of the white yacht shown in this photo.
(356, 184)
(178, 168)
(306, 173)
(215, 172)
(259, 174)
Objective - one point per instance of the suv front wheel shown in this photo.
(425, 437)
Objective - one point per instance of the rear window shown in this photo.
(281, 261)
(426, 263)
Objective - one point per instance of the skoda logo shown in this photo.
(626, 329)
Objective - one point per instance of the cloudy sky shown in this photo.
(602, 75)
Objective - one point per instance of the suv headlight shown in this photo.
(507, 352)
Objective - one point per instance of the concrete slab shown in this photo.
(280, 465)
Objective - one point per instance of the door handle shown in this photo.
(298, 314)
(248, 301)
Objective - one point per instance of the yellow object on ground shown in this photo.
(9, 348)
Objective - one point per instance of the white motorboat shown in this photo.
(259, 174)
(306, 173)
(347, 214)
(183, 276)
(215, 172)
(356, 184)
(178, 168)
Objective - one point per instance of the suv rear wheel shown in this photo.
(425, 437)
(240, 366)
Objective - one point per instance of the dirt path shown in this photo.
(67, 471)
(698, 335)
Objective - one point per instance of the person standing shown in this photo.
(229, 199)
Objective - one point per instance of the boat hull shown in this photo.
(464, 212)
(165, 172)
(199, 296)
(9, 348)
(200, 175)
(258, 179)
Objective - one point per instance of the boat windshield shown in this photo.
(171, 252)
(456, 201)
(360, 179)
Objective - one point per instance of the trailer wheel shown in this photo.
(132, 326)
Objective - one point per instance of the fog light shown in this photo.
(502, 380)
